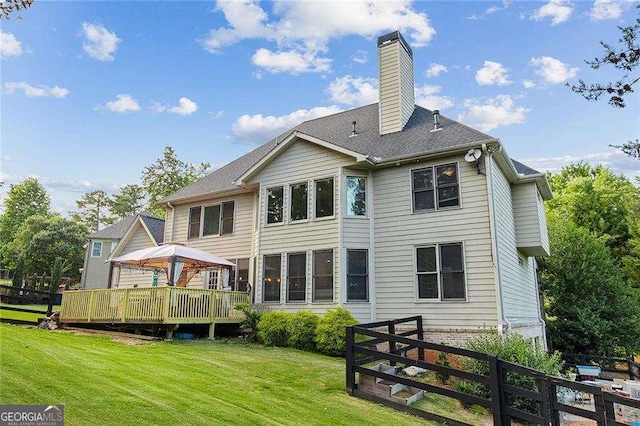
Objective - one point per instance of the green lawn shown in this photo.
(25, 316)
(100, 381)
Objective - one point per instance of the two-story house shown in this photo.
(130, 234)
(389, 210)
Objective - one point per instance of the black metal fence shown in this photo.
(379, 343)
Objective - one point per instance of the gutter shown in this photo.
(376, 161)
(494, 241)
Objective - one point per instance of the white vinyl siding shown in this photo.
(530, 221)
(302, 161)
(516, 272)
(96, 271)
(398, 231)
(130, 277)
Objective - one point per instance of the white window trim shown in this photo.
(266, 206)
(306, 278)
(346, 197)
(435, 188)
(201, 226)
(415, 273)
(290, 194)
(333, 276)
(335, 205)
(93, 244)
(346, 275)
(282, 263)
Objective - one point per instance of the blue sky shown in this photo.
(92, 91)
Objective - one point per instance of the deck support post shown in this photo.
(212, 329)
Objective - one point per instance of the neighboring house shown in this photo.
(133, 233)
(376, 209)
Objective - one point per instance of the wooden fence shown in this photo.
(156, 305)
(615, 366)
(375, 342)
(27, 296)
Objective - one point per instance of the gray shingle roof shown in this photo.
(117, 230)
(414, 140)
(523, 169)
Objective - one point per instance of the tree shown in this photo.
(127, 202)
(8, 7)
(41, 239)
(167, 175)
(93, 210)
(604, 203)
(626, 59)
(18, 274)
(24, 200)
(590, 308)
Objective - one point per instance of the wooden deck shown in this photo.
(153, 305)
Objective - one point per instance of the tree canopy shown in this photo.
(43, 238)
(129, 201)
(24, 200)
(93, 210)
(11, 7)
(168, 174)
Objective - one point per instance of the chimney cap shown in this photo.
(387, 38)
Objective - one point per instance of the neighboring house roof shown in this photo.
(416, 139)
(523, 169)
(117, 230)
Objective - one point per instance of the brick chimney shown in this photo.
(396, 100)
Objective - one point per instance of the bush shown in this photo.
(443, 360)
(302, 331)
(273, 328)
(331, 331)
(518, 350)
(253, 314)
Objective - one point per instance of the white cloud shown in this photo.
(306, 27)
(185, 107)
(492, 73)
(217, 114)
(427, 96)
(528, 84)
(494, 112)
(41, 91)
(617, 161)
(558, 10)
(9, 45)
(360, 57)
(290, 61)
(607, 9)
(99, 43)
(354, 91)
(552, 70)
(258, 128)
(124, 103)
(494, 9)
(435, 70)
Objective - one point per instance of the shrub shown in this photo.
(253, 314)
(273, 328)
(331, 331)
(518, 350)
(442, 360)
(302, 331)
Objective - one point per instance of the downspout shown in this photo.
(173, 219)
(494, 240)
(86, 263)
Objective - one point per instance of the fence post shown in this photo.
(552, 394)
(421, 338)
(497, 396)
(90, 308)
(392, 344)
(349, 356)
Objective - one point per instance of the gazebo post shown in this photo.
(172, 271)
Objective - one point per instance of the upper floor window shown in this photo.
(207, 220)
(432, 193)
(357, 275)
(275, 204)
(96, 249)
(299, 205)
(440, 272)
(356, 196)
(324, 197)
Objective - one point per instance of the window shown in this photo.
(357, 275)
(432, 194)
(356, 196)
(227, 217)
(271, 282)
(194, 222)
(212, 279)
(275, 198)
(113, 246)
(324, 197)
(299, 206)
(440, 272)
(296, 277)
(239, 277)
(96, 249)
(208, 220)
(323, 275)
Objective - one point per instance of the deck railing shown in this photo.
(165, 305)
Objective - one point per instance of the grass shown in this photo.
(25, 316)
(106, 382)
